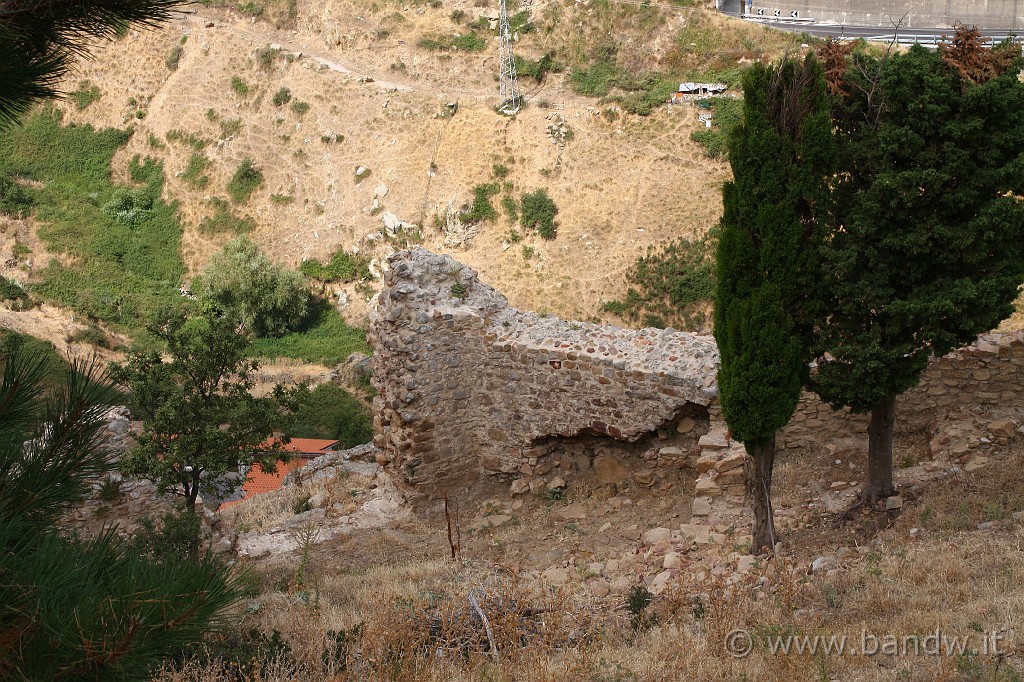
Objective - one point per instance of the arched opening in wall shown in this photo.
(663, 459)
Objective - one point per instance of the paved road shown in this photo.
(927, 36)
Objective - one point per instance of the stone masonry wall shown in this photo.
(987, 375)
(469, 385)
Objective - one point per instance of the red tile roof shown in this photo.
(257, 481)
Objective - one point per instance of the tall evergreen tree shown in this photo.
(927, 249)
(767, 267)
(82, 609)
(39, 40)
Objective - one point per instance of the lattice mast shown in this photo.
(511, 96)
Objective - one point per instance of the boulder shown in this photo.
(610, 469)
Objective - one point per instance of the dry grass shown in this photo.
(270, 509)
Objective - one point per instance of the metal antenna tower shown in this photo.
(511, 95)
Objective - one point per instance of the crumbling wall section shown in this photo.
(468, 384)
(986, 377)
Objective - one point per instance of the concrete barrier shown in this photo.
(991, 14)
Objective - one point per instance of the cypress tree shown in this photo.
(767, 269)
(927, 246)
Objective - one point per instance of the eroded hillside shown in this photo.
(377, 98)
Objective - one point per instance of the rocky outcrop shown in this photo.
(468, 384)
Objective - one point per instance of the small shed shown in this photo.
(702, 89)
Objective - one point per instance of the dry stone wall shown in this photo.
(986, 377)
(468, 384)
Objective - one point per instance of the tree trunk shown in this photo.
(192, 492)
(758, 473)
(879, 485)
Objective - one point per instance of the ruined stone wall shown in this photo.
(469, 385)
(987, 376)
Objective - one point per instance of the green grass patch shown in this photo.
(14, 200)
(282, 199)
(538, 211)
(194, 175)
(466, 42)
(240, 87)
(246, 180)
(342, 267)
(482, 209)
(197, 143)
(669, 284)
(86, 94)
(327, 341)
(124, 241)
(224, 221)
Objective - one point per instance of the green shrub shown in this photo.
(327, 339)
(728, 114)
(245, 181)
(511, 208)
(193, 175)
(282, 199)
(300, 107)
(131, 207)
(538, 211)
(223, 221)
(282, 97)
(457, 16)
(469, 42)
(329, 411)
(342, 267)
(670, 283)
(269, 299)
(86, 94)
(14, 200)
(481, 208)
(12, 291)
(173, 57)
(537, 69)
(266, 56)
(596, 80)
(239, 86)
(197, 143)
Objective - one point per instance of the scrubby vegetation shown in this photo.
(342, 267)
(329, 411)
(481, 209)
(246, 180)
(728, 114)
(675, 282)
(538, 211)
(86, 94)
(124, 241)
(224, 221)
